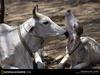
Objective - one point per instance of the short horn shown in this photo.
(35, 10)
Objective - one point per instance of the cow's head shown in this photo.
(43, 26)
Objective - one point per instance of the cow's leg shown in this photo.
(38, 61)
(81, 65)
(12, 67)
(63, 61)
(9, 67)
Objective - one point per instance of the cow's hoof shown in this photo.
(40, 65)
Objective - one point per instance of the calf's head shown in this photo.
(73, 29)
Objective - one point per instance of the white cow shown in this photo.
(80, 51)
(17, 44)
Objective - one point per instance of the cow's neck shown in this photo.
(33, 42)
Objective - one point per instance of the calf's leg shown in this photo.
(81, 65)
(63, 61)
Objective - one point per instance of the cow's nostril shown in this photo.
(66, 34)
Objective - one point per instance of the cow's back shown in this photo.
(5, 28)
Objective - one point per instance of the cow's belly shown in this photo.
(22, 61)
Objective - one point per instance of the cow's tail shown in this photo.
(2, 11)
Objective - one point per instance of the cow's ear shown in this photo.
(31, 29)
(35, 10)
(30, 25)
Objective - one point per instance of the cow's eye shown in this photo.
(46, 22)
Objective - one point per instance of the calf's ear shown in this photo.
(79, 31)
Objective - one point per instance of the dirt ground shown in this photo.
(88, 15)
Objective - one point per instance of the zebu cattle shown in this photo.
(80, 51)
(18, 44)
